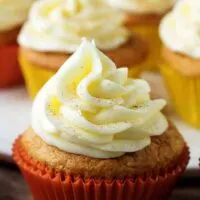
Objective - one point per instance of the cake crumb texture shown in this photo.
(164, 152)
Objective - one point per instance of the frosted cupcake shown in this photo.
(179, 32)
(143, 17)
(54, 31)
(12, 15)
(96, 134)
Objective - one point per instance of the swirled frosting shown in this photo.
(143, 6)
(66, 21)
(13, 13)
(92, 108)
(180, 29)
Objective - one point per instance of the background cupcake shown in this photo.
(55, 29)
(179, 32)
(88, 120)
(143, 17)
(12, 15)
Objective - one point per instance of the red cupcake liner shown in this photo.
(10, 73)
(46, 184)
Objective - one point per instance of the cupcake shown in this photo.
(54, 31)
(96, 134)
(143, 17)
(179, 32)
(12, 15)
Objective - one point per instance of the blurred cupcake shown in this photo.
(12, 15)
(143, 17)
(88, 120)
(179, 32)
(54, 31)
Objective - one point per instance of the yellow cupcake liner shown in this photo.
(150, 33)
(185, 94)
(36, 76)
(135, 71)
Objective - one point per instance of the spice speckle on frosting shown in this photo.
(98, 111)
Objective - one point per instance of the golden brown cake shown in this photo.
(134, 51)
(181, 63)
(164, 152)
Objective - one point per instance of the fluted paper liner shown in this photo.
(10, 73)
(184, 93)
(46, 184)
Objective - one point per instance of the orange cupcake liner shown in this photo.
(46, 184)
(10, 73)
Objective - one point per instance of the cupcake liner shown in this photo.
(136, 70)
(36, 76)
(10, 73)
(46, 184)
(184, 93)
(150, 33)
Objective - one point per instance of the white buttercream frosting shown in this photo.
(180, 29)
(143, 6)
(13, 13)
(65, 22)
(92, 108)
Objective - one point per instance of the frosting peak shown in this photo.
(180, 29)
(75, 6)
(143, 6)
(13, 13)
(92, 108)
(66, 21)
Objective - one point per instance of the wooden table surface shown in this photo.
(13, 187)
